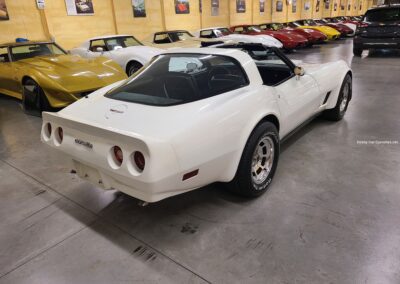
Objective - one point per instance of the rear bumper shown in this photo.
(371, 43)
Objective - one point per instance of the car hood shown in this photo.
(144, 51)
(324, 29)
(264, 39)
(75, 73)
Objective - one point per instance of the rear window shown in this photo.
(382, 15)
(175, 79)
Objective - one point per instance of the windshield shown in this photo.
(310, 22)
(222, 32)
(33, 50)
(383, 15)
(276, 26)
(179, 36)
(254, 29)
(121, 42)
(173, 79)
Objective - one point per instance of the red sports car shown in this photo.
(341, 28)
(289, 41)
(313, 36)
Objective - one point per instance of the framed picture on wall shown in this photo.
(79, 7)
(294, 6)
(317, 6)
(214, 7)
(349, 7)
(335, 6)
(262, 6)
(240, 6)
(279, 5)
(307, 5)
(3, 11)
(139, 8)
(341, 5)
(182, 7)
(327, 4)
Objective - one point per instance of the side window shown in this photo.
(161, 38)
(206, 34)
(272, 68)
(95, 45)
(263, 27)
(4, 55)
(239, 30)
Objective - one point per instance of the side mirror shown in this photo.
(99, 49)
(299, 71)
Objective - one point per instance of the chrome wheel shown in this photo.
(263, 159)
(133, 68)
(345, 98)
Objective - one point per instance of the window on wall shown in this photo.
(4, 55)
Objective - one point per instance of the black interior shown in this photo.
(273, 74)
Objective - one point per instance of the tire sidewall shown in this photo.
(346, 81)
(243, 179)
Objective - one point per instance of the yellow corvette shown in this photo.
(330, 33)
(45, 77)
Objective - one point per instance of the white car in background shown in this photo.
(196, 116)
(225, 34)
(126, 50)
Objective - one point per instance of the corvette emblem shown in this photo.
(84, 143)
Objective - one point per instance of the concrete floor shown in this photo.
(331, 215)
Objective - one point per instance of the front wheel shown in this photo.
(133, 67)
(258, 162)
(357, 51)
(344, 98)
(34, 98)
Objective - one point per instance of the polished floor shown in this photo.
(332, 214)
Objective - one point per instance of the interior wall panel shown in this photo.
(70, 31)
(240, 18)
(221, 20)
(140, 27)
(261, 17)
(24, 22)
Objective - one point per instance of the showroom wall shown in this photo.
(116, 16)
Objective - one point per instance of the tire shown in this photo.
(262, 148)
(338, 112)
(133, 67)
(357, 51)
(34, 98)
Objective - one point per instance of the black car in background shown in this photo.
(380, 28)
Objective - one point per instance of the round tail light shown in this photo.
(139, 160)
(48, 127)
(118, 155)
(60, 134)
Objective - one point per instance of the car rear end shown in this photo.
(141, 167)
(380, 28)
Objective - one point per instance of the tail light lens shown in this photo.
(48, 127)
(59, 136)
(362, 25)
(139, 160)
(118, 155)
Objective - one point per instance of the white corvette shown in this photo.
(225, 34)
(196, 116)
(126, 50)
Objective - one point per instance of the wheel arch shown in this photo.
(267, 117)
(133, 60)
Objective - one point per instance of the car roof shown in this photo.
(385, 7)
(213, 28)
(13, 44)
(172, 31)
(106, 36)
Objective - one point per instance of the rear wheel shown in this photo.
(34, 98)
(344, 97)
(357, 51)
(133, 67)
(258, 163)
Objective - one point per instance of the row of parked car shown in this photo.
(111, 58)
